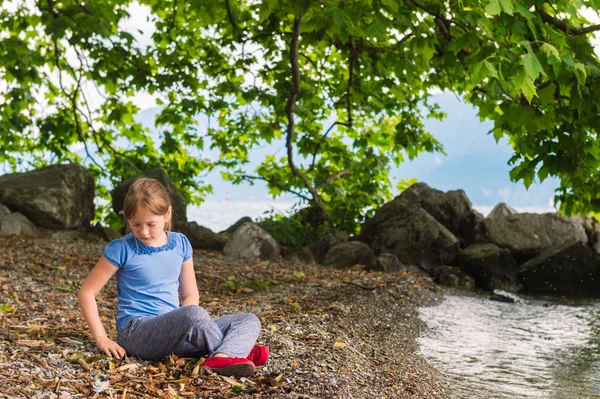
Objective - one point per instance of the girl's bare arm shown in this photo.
(90, 288)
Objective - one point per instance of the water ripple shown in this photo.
(538, 348)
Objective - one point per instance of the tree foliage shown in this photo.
(344, 86)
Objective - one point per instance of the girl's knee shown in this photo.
(194, 313)
(252, 321)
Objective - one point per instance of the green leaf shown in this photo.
(483, 69)
(507, 6)
(532, 66)
(525, 85)
(4, 308)
(550, 49)
(493, 8)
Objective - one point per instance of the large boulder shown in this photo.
(347, 254)
(592, 229)
(251, 242)
(388, 263)
(413, 235)
(15, 224)
(4, 211)
(178, 202)
(202, 237)
(297, 255)
(57, 196)
(501, 209)
(492, 267)
(526, 235)
(320, 247)
(237, 224)
(452, 209)
(569, 268)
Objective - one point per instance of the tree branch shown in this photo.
(350, 81)
(562, 25)
(230, 16)
(318, 146)
(275, 184)
(331, 178)
(289, 109)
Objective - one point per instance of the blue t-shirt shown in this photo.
(148, 277)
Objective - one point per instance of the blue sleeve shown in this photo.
(115, 252)
(187, 250)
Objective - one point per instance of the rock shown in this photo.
(297, 255)
(4, 211)
(452, 277)
(178, 202)
(568, 268)
(202, 237)
(592, 229)
(16, 224)
(492, 267)
(105, 233)
(251, 242)
(237, 224)
(347, 254)
(57, 196)
(526, 235)
(501, 209)
(502, 296)
(387, 263)
(453, 210)
(413, 235)
(320, 247)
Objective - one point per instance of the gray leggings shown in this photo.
(189, 332)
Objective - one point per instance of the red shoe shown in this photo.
(259, 355)
(230, 366)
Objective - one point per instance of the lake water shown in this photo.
(537, 348)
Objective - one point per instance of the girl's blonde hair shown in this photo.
(151, 196)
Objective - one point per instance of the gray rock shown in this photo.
(16, 224)
(501, 209)
(414, 236)
(237, 224)
(526, 235)
(592, 229)
(452, 209)
(178, 202)
(297, 255)
(251, 242)
(492, 267)
(347, 254)
(569, 268)
(320, 247)
(452, 277)
(202, 237)
(105, 233)
(4, 211)
(57, 196)
(388, 263)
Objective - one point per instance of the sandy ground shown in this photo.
(332, 333)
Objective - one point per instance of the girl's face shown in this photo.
(148, 227)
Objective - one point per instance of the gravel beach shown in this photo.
(332, 333)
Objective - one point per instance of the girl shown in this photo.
(151, 263)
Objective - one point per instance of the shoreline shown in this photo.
(332, 333)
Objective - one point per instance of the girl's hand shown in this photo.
(110, 347)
